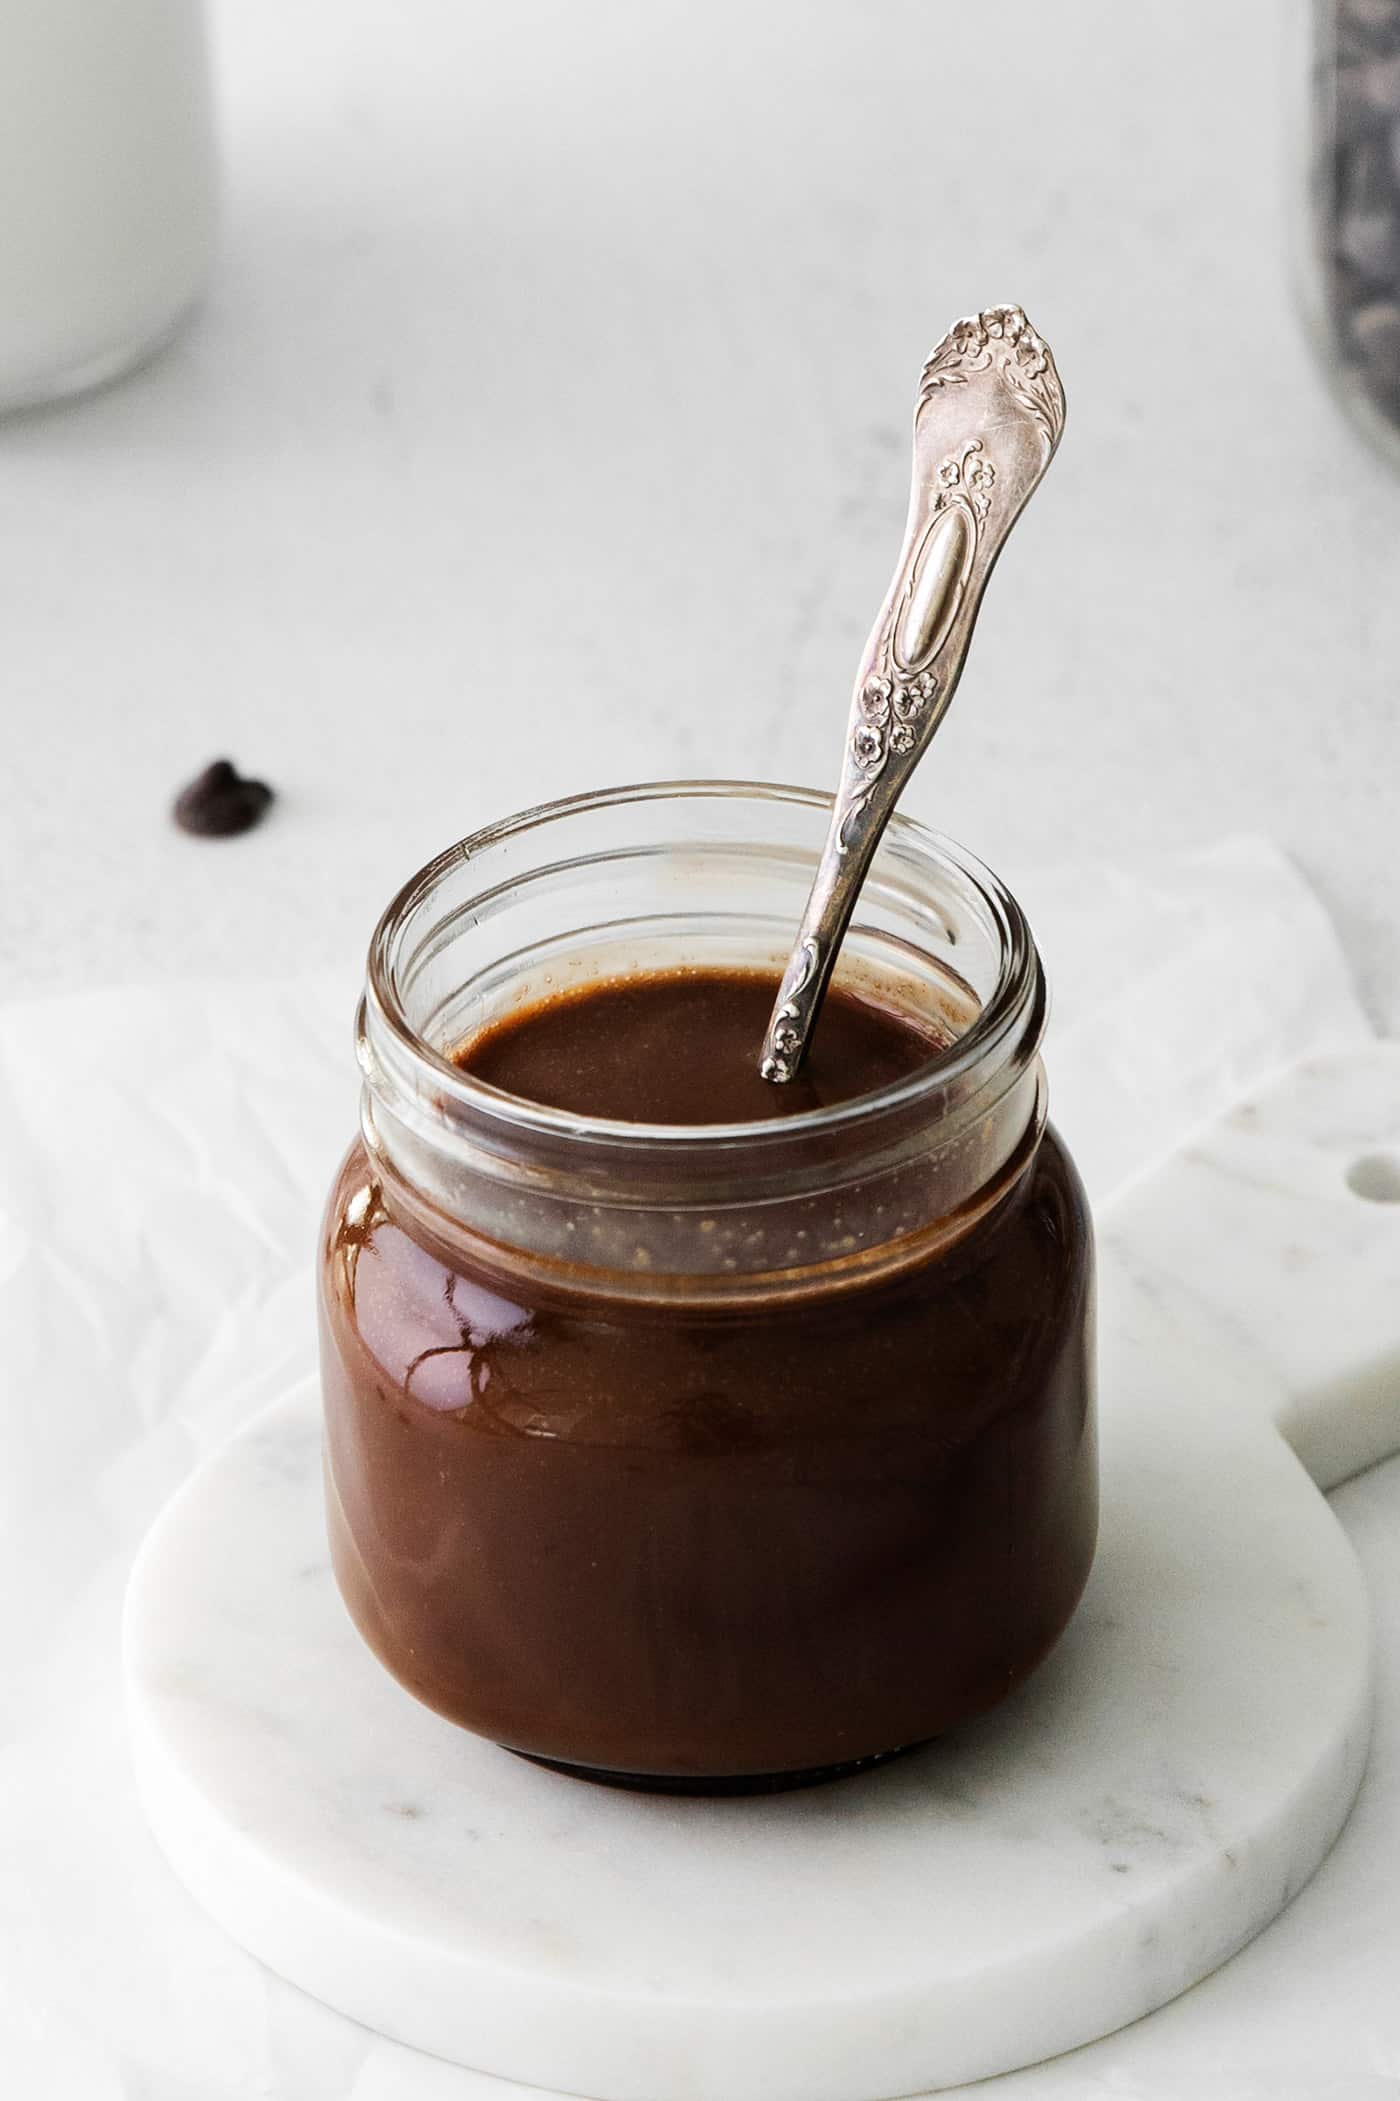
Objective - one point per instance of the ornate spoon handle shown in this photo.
(989, 416)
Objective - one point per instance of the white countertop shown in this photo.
(547, 426)
(548, 422)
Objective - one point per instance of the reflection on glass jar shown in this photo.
(706, 1454)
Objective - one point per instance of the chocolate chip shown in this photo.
(220, 802)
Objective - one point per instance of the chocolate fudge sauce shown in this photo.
(679, 1047)
(693, 1545)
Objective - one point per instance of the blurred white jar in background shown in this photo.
(107, 186)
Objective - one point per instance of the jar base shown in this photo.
(717, 1784)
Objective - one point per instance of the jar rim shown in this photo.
(1014, 1010)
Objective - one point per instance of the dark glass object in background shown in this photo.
(1354, 186)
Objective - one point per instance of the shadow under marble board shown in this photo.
(1145, 1805)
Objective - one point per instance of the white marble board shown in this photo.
(1148, 1802)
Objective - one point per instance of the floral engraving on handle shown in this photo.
(784, 1036)
(1002, 336)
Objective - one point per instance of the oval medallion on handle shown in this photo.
(937, 580)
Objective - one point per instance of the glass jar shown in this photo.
(710, 1456)
(1352, 263)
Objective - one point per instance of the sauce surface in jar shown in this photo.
(679, 1047)
(696, 1544)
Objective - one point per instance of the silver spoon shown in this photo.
(989, 416)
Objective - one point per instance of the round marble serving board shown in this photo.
(1150, 1800)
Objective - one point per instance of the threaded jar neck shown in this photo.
(697, 874)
